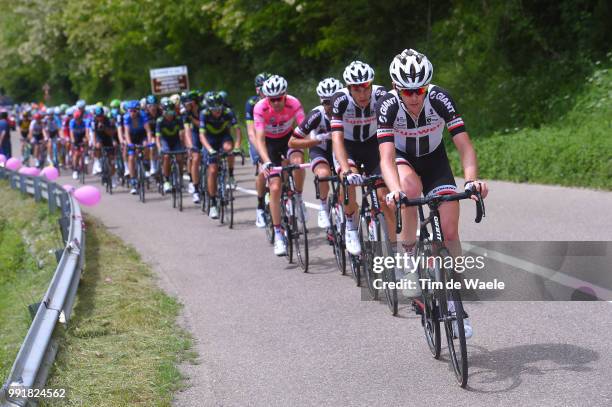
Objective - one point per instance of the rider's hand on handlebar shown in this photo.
(237, 151)
(265, 168)
(353, 178)
(393, 198)
(480, 186)
(320, 136)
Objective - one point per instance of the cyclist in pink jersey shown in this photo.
(275, 118)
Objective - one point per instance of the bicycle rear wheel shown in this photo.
(300, 234)
(388, 275)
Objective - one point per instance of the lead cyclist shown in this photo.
(411, 119)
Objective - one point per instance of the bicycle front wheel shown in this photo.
(453, 314)
(141, 181)
(337, 225)
(300, 234)
(368, 252)
(430, 313)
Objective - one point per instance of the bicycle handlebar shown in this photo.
(480, 206)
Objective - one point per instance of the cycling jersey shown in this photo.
(24, 126)
(249, 107)
(105, 131)
(422, 136)
(356, 123)
(79, 130)
(277, 125)
(215, 127)
(53, 124)
(418, 143)
(168, 128)
(168, 132)
(36, 126)
(137, 130)
(316, 121)
(192, 119)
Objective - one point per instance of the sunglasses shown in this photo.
(409, 92)
(326, 102)
(277, 99)
(365, 85)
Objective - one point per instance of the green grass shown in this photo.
(574, 151)
(122, 345)
(27, 233)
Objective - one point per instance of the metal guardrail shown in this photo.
(37, 353)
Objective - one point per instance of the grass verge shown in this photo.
(123, 345)
(27, 233)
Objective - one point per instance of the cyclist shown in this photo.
(24, 129)
(275, 118)
(224, 99)
(52, 125)
(105, 133)
(169, 136)
(79, 139)
(137, 131)
(260, 181)
(36, 137)
(315, 133)
(5, 134)
(216, 123)
(153, 113)
(354, 143)
(411, 120)
(191, 121)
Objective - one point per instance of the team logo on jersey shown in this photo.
(386, 105)
(428, 120)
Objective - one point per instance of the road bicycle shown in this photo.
(105, 164)
(439, 303)
(141, 178)
(335, 213)
(293, 220)
(176, 178)
(225, 191)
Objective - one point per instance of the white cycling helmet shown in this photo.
(358, 72)
(176, 98)
(410, 70)
(274, 86)
(327, 87)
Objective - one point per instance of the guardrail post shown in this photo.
(51, 197)
(12, 180)
(37, 194)
(2, 173)
(22, 183)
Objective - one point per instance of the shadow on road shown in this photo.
(502, 370)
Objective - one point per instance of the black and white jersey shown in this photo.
(357, 124)
(316, 121)
(422, 136)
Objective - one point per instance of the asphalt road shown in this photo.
(269, 335)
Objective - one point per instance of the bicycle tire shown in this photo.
(82, 169)
(173, 185)
(221, 195)
(300, 234)
(355, 262)
(205, 196)
(430, 318)
(368, 252)
(336, 235)
(458, 357)
(269, 225)
(387, 275)
(230, 200)
(286, 222)
(141, 181)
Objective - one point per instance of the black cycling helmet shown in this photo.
(168, 107)
(214, 101)
(261, 78)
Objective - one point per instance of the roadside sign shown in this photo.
(169, 80)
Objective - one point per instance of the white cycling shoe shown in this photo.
(167, 187)
(97, 168)
(323, 219)
(191, 188)
(467, 326)
(260, 221)
(280, 248)
(75, 175)
(213, 213)
(196, 198)
(352, 242)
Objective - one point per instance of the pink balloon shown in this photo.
(2, 158)
(88, 195)
(51, 173)
(68, 188)
(24, 170)
(34, 172)
(13, 164)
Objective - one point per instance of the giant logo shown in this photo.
(386, 105)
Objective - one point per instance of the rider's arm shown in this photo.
(147, 127)
(126, 134)
(339, 105)
(301, 135)
(236, 129)
(468, 156)
(202, 132)
(260, 140)
(386, 114)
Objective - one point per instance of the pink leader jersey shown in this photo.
(278, 124)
